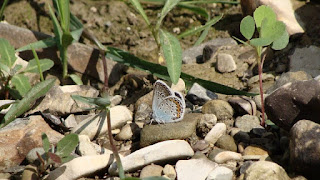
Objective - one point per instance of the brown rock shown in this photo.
(22, 135)
(254, 150)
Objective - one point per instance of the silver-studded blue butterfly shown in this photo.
(168, 106)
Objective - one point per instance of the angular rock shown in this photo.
(191, 55)
(151, 134)
(194, 168)
(220, 108)
(226, 142)
(199, 95)
(220, 173)
(289, 77)
(243, 105)
(128, 131)
(216, 132)
(80, 167)
(305, 148)
(58, 100)
(170, 150)
(206, 123)
(305, 59)
(247, 122)
(169, 171)
(225, 63)
(293, 102)
(95, 125)
(22, 135)
(265, 170)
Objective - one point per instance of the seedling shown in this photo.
(272, 33)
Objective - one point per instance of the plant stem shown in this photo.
(2, 9)
(114, 149)
(105, 69)
(64, 58)
(259, 50)
(38, 63)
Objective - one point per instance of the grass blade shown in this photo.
(198, 10)
(165, 10)
(45, 142)
(26, 103)
(139, 8)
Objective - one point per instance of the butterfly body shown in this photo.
(168, 106)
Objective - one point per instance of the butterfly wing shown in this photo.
(171, 109)
(160, 92)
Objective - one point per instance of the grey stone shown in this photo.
(205, 124)
(226, 142)
(220, 108)
(70, 122)
(306, 59)
(32, 154)
(294, 101)
(192, 54)
(151, 134)
(199, 95)
(247, 122)
(243, 105)
(289, 77)
(143, 113)
(220, 173)
(305, 148)
(225, 63)
(208, 52)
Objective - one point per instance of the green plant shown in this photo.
(272, 33)
(60, 154)
(170, 45)
(5, 2)
(12, 76)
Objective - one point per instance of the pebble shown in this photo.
(254, 150)
(169, 172)
(215, 133)
(32, 154)
(70, 122)
(206, 123)
(80, 167)
(200, 95)
(160, 152)
(226, 142)
(225, 156)
(97, 124)
(220, 173)
(225, 63)
(194, 168)
(247, 122)
(265, 170)
(179, 87)
(143, 113)
(128, 132)
(151, 170)
(220, 108)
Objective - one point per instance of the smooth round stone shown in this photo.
(128, 131)
(265, 170)
(180, 86)
(239, 136)
(32, 154)
(220, 108)
(243, 105)
(220, 173)
(194, 168)
(226, 142)
(254, 150)
(183, 129)
(201, 145)
(225, 156)
(225, 63)
(169, 171)
(216, 132)
(151, 170)
(85, 147)
(206, 123)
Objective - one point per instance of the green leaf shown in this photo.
(260, 42)
(76, 28)
(281, 42)
(45, 43)
(56, 27)
(247, 27)
(202, 36)
(26, 103)
(66, 39)
(4, 68)
(7, 53)
(131, 178)
(55, 158)
(64, 13)
(272, 31)
(87, 100)
(200, 28)
(165, 10)
(21, 83)
(161, 72)
(45, 65)
(67, 159)
(76, 79)
(172, 53)
(45, 142)
(67, 144)
(136, 4)
(263, 12)
(155, 178)
(243, 42)
(4, 104)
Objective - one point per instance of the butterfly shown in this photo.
(168, 106)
